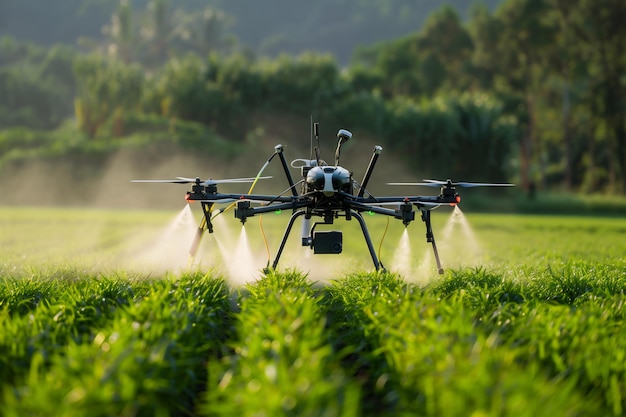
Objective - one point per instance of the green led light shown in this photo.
(371, 213)
(278, 211)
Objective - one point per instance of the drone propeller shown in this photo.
(184, 180)
(449, 183)
(425, 184)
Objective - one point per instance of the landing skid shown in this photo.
(430, 238)
(206, 225)
(377, 264)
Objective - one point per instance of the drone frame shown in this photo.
(328, 207)
(328, 192)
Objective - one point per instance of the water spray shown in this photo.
(402, 254)
(466, 247)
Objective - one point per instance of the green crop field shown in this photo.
(103, 314)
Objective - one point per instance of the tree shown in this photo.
(121, 39)
(36, 84)
(106, 89)
(517, 61)
(445, 47)
(599, 28)
(393, 66)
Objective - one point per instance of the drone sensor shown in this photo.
(327, 242)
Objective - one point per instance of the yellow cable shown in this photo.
(259, 175)
(267, 247)
(231, 205)
(256, 179)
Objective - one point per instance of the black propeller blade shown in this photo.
(425, 184)
(449, 183)
(184, 180)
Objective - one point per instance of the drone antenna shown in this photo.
(311, 151)
(316, 132)
(343, 135)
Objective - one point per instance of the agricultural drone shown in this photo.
(326, 193)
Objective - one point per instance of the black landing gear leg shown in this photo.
(430, 237)
(205, 223)
(377, 264)
(285, 236)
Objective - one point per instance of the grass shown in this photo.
(528, 320)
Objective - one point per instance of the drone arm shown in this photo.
(370, 169)
(279, 151)
(244, 210)
(224, 198)
(374, 209)
(416, 199)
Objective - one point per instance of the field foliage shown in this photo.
(531, 324)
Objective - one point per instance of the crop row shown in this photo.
(109, 346)
(547, 342)
(282, 362)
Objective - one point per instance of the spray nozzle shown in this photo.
(405, 213)
(243, 211)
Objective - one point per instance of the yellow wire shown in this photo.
(267, 246)
(383, 238)
(258, 176)
(203, 222)
(256, 179)
(231, 205)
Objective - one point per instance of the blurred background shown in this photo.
(94, 93)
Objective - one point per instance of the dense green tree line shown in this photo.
(557, 66)
(533, 91)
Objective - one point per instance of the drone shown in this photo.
(324, 193)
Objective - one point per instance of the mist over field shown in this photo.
(163, 90)
(106, 182)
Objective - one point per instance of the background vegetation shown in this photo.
(530, 91)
